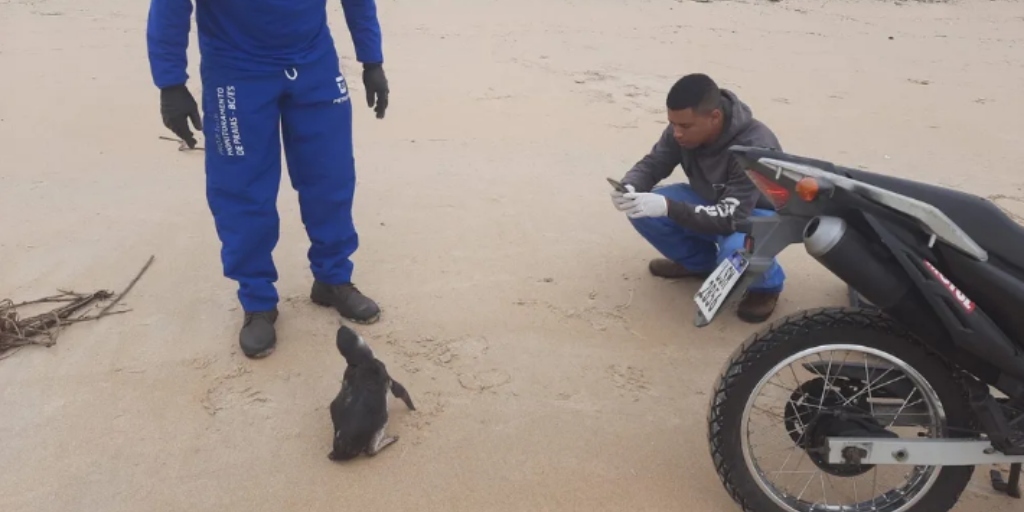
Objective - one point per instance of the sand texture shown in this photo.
(550, 370)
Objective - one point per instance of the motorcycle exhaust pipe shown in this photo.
(883, 281)
(847, 254)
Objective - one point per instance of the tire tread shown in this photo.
(769, 338)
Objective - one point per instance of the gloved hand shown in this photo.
(376, 85)
(177, 106)
(645, 204)
(618, 200)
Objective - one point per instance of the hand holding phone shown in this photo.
(620, 202)
(618, 186)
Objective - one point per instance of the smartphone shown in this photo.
(618, 186)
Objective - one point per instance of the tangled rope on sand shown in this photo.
(42, 329)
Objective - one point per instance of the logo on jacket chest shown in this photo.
(724, 208)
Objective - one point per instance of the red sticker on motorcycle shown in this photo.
(960, 296)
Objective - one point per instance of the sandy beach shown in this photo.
(549, 369)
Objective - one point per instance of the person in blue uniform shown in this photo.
(270, 77)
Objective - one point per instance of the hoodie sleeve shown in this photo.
(657, 165)
(167, 31)
(737, 200)
(361, 18)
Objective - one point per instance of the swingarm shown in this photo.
(916, 452)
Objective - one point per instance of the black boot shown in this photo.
(258, 336)
(348, 300)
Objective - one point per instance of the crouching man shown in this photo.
(692, 224)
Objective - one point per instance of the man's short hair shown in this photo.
(697, 91)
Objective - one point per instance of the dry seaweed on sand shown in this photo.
(68, 307)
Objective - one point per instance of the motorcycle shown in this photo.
(920, 378)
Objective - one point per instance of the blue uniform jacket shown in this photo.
(253, 35)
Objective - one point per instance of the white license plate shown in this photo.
(716, 287)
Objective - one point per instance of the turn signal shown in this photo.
(807, 189)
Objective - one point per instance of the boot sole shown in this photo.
(751, 319)
(260, 355)
(363, 321)
(678, 277)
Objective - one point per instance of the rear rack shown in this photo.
(931, 218)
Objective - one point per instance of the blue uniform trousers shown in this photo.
(700, 252)
(247, 115)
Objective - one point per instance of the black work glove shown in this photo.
(177, 106)
(376, 85)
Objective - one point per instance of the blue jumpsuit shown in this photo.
(270, 73)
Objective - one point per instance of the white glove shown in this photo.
(619, 201)
(644, 204)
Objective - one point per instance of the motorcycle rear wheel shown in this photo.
(750, 365)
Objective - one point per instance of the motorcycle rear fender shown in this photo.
(770, 236)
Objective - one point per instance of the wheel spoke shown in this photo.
(808, 412)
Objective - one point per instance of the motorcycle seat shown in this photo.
(980, 218)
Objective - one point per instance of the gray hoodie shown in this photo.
(713, 172)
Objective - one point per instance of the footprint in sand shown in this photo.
(484, 380)
(598, 318)
(441, 353)
(629, 380)
(429, 405)
(233, 389)
(592, 76)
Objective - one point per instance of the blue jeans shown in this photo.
(700, 252)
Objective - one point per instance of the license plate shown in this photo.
(717, 286)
